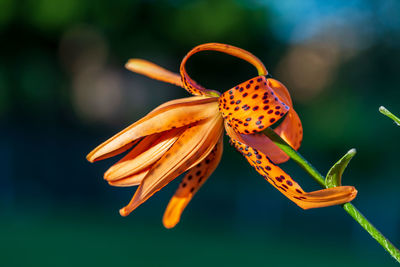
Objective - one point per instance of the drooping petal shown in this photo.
(159, 120)
(251, 106)
(192, 144)
(190, 184)
(118, 151)
(131, 180)
(147, 152)
(153, 71)
(287, 186)
(194, 88)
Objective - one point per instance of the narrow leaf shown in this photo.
(334, 176)
(389, 114)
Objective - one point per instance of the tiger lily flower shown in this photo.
(186, 135)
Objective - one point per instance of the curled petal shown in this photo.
(159, 120)
(281, 91)
(153, 71)
(190, 146)
(190, 184)
(287, 186)
(251, 106)
(146, 153)
(290, 129)
(195, 89)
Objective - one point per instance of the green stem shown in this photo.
(348, 207)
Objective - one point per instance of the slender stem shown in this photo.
(348, 207)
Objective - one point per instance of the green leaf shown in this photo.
(389, 114)
(334, 176)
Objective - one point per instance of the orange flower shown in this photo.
(186, 135)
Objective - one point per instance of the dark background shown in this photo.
(63, 90)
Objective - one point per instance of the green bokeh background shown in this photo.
(63, 90)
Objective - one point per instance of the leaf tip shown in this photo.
(352, 152)
(383, 110)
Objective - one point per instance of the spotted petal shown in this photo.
(194, 88)
(260, 142)
(287, 186)
(252, 106)
(168, 117)
(190, 184)
(192, 144)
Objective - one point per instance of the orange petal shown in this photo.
(131, 180)
(260, 142)
(118, 151)
(190, 184)
(192, 144)
(251, 106)
(281, 91)
(159, 120)
(153, 71)
(146, 153)
(290, 129)
(195, 89)
(287, 186)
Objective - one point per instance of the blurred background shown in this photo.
(64, 89)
